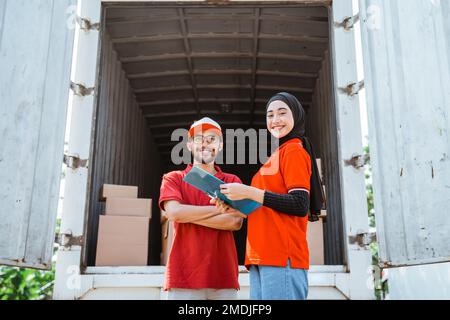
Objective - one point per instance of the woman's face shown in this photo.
(280, 120)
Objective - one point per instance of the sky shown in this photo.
(360, 67)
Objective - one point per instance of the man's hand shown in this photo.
(223, 208)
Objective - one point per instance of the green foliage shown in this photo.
(27, 284)
(369, 192)
(380, 285)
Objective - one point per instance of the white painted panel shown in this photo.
(123, 294)
(84, 71)
(35, 57)
(325, 293)
(326, 282)
(162, 269)
(125, 283)
(353, 190)
(406, 48)
(425, 282)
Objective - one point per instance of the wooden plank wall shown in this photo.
(323, 133)
(125, 152)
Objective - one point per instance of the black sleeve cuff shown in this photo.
(295, 203)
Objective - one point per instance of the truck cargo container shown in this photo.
(137, 70)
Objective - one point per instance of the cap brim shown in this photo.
(202, 128)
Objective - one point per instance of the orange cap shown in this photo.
(203, 125)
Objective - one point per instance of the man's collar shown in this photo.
(216, 167)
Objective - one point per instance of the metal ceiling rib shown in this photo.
(186, 62)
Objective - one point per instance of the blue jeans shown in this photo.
(278, 283)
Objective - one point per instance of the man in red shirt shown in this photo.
(202, 262)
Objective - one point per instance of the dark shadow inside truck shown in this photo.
(164, 66)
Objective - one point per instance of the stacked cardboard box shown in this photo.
(315, 233)
(315, 243)
(115, 191)
(166, 237)
(123, 230)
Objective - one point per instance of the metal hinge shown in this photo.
(81, 90)
(67, 240)
(86, 24)
(363, 239)
(358, 161)
(353, 88)
(74, 162)
(348, 23)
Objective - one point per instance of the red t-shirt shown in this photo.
(273, 237)
(200, 257)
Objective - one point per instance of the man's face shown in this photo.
(205, 146)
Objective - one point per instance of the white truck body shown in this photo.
(407, 71)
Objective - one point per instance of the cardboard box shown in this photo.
(166, 237)
(122, 241)
(315, 243)
(116, 191)
(129, 207)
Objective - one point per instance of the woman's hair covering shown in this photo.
(317, 195)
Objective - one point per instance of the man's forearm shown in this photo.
(207, 216)
(223, 221)
(191, 214)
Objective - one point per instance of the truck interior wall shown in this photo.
(121, 121)
(322, 130)
(124, 152)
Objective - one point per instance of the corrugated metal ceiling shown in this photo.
(221, 61)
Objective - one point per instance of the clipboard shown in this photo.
(206, 182)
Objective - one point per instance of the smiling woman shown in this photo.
(277, 253)
(280, 120)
